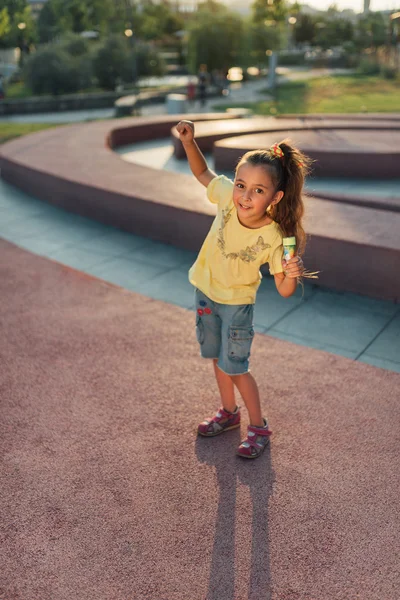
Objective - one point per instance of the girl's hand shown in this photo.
(293, 268)
(186, 131)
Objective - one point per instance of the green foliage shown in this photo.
(75, 45)
(371, 31)
(12, 13)
(291, 59)
(389, 72)
(62, 16)
(214, 37)
(368, 66)
(14, 6)
(212, 8)
(48, 24)
(265, 38)
(158, 21)
(332, 31)
(9, 131)
(153, 21)
(51, 71)
(113, 63)
(60, 68)
(263, 11)
(72, 15)
(305, 29)
(268, 27)
(5, 23)
(148, 61)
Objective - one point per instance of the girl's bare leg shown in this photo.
(226, 388)
(247, 386)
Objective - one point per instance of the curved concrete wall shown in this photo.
(355, 248)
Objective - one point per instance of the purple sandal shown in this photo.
(257, 440)
(222, 421)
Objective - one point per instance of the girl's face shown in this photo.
(253, 192)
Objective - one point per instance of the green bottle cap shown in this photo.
(289, 241)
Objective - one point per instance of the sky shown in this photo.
(356, 5)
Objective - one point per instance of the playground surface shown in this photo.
(107, 493)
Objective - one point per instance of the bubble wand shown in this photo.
(289, 251)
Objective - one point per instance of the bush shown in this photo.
(368, 67)
(75, 45)
(291, 59)
(389, 72)
(149, 62)
(113, 63)
(52, 71)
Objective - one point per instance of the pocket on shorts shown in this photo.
(239, 343)
(199, 330)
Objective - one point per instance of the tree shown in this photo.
(113, 63)
(333, 29)
(305, 29)
(214, 37)
(265, 39)
(17, 27)
(62, 16)
(50, 71)
(158, 21)
(148, 62)
(264, 10)
(371, 31)
(48, 23)
(5, 24)
(269, 30)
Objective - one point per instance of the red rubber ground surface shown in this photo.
(107, 494)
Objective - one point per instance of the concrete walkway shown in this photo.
(106, 492)
(356, 327)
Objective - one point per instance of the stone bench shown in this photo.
(127, 106)
(341, 152)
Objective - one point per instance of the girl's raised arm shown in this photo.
(197, 162)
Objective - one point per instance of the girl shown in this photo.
(255, 212)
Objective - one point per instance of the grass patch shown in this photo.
(337, 94)
(18, 90)
(9, 131)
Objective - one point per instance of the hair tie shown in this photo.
(276, 151)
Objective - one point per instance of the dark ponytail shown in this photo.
(288, 167)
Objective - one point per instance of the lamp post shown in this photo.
(130, 36)
(291, 22)
(22, 45)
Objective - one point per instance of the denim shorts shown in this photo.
(225, 332)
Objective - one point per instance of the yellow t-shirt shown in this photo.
(227, 268)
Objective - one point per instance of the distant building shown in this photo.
(185, 6)
(36, 6)
(366, 6)
(182, 6)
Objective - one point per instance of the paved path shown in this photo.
(107, 494)
(346, 324)
(239, 93)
